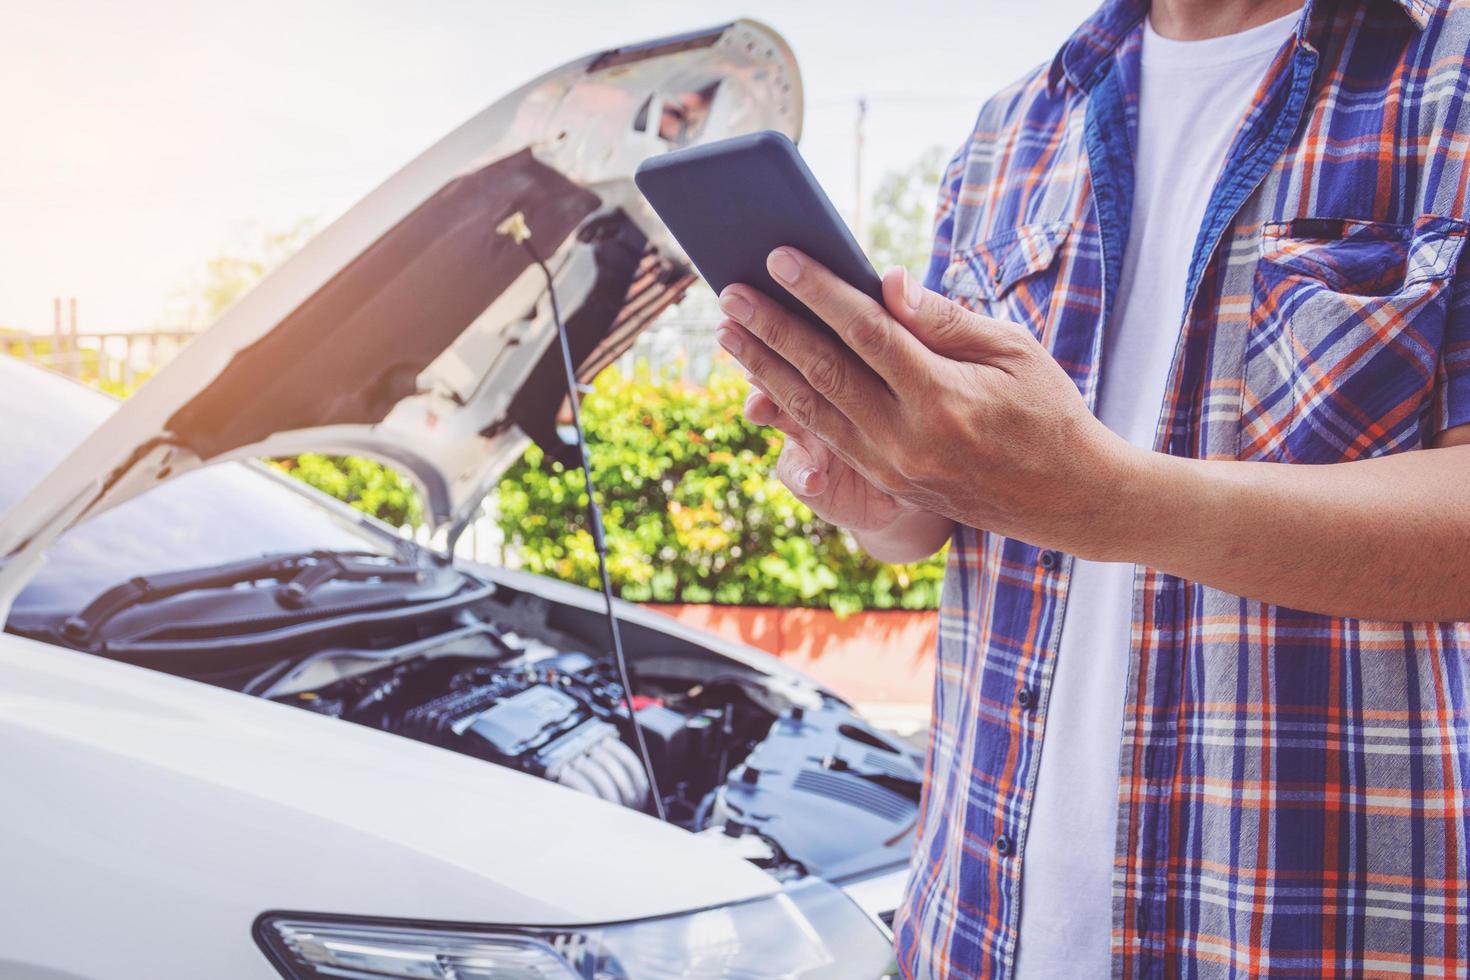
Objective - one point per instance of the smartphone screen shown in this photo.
(731, 202)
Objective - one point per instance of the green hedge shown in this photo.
(693, 509)
(366, 484)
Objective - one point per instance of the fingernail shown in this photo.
(729, 340)
(736, 307)
(807, 478)
(783, 266)
(913, 290)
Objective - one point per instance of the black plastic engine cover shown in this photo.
(835, 795)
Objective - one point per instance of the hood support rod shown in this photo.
(515, 227)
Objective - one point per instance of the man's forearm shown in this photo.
(1387, 538)
(912, 537)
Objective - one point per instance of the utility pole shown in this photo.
(857, 174)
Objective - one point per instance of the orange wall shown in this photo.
(871, 656)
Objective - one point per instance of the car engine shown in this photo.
(558, 717)
(769, 779)
(759, 760)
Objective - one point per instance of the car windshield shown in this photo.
(218, 514)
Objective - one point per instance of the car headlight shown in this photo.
(765, 939)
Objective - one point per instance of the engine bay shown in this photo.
(770, 772)
(758, 759)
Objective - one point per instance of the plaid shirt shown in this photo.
(1294, 796)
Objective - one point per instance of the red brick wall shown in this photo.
(871, 656)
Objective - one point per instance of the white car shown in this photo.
(247, 732)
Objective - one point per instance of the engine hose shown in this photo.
(633, 766)
(701, 815)
(572, 779)
(619, 759)
(606, 788)
(615, 771)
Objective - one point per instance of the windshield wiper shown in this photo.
(298, 574)
(337, 567)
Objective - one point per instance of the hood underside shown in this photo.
(414, 329)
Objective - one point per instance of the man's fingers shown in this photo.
(801, 465)
(863, 324)
(800, 469)
(760, 409)
(832, 372)
(798, 401)
(944, 326)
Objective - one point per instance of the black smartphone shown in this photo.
(731, 202)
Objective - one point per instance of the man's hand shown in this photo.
(937, 407)
(969, 417)
(833, 490)
(887, 528)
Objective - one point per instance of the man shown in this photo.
(1188, 392)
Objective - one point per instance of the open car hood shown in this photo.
(415, 329)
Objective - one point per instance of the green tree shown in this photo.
(900, 224)
(366, 484)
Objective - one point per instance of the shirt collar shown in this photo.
(1101, 33)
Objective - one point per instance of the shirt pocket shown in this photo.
(1346, 324)
(1008, 276)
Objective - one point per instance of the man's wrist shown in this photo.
(1134, 502)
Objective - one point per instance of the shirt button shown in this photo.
(1050, 560)
(1161, 605)
(1004, 845)
(1027, 698)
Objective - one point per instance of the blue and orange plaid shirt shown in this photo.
(1294, 796)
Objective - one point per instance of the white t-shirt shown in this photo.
(1192, 98)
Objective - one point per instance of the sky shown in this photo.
(142, 139)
